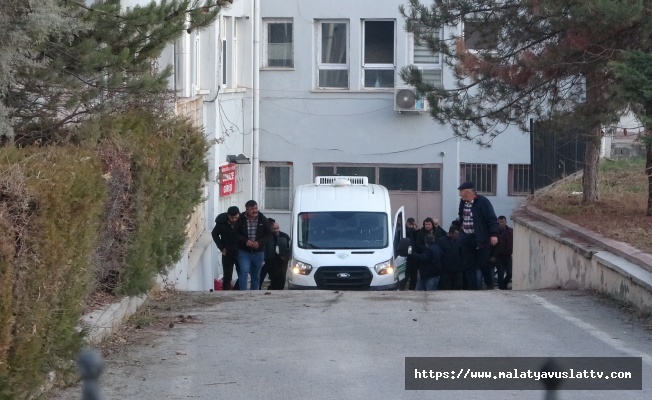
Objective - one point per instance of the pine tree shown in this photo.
(107, 66)
(634, 75)
(25, 26)
(546, 60)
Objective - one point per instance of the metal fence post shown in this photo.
(90, 365)
(551, 384)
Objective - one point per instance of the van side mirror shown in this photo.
(404, 247)
(283, 247)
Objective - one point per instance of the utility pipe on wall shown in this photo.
(255, 165)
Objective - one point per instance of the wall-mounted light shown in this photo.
(239, 159)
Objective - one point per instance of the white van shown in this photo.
(344, 236)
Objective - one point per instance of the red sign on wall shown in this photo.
(227, 180)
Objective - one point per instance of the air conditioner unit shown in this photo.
(406, 100)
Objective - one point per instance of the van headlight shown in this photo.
(301, 268)
(384, 268)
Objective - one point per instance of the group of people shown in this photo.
(248, 243)
(477, 247)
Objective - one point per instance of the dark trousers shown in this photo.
(476, 258)
(267, 269)
(450, 281)
(228, 262)
(411, 274)
(504, 271)
(277, 276)
(508, 269)
(276, 269)
(500, 273)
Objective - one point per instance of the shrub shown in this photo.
(51, 203)
(156, 170)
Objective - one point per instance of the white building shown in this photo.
(213, 78)
(328, 91)
(322, 101)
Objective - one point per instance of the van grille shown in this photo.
(359, 278)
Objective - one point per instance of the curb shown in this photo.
(105, 321)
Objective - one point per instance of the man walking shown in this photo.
(501, 256)
(451, 260)
(224, 237)
(252, 233)
(275, 264)
(479, 234)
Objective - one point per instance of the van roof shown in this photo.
(314, 198)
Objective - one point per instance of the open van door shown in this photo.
(400, 262)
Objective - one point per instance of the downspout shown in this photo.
(255, 169)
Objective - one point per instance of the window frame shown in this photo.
(330, 66)
(491, 44)
(511, 175)
(412, 46)
(263, 185)
(266, 23)
(494, 175)
(376, 178)
(364, 67)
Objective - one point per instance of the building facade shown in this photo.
(329, 95)
(300, 89)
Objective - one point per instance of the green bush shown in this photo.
(113, 207)
(167, 168)
(51, 206)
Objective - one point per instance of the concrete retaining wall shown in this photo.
(552, 253)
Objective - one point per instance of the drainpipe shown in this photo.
(255, 168)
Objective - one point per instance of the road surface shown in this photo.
(326, 345)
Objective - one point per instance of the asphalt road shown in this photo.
(352, 345)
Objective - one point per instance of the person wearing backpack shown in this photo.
(429, 264)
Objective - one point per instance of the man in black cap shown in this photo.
(224, 237)
(479, 234)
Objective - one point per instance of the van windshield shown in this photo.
(342, 230)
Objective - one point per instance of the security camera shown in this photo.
(442, 153)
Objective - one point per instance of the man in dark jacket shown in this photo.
(411, 268)
(224, 237)
(479, 234)
(451, 260)
(429, 264)
(275, 264)
(501, 257)
(252, 232)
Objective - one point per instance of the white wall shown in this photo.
(305, 126)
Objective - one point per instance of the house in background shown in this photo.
(332, 102)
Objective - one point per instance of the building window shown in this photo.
(480, 35)
(431, 179)
(483, 177)
(369, 172)
(278, 40)
(423, 58)
(519, 180)
(197, 62)
(378, 62)
(277, 178)
(333, 54)
(403, 179)
(224, 61)
(406, 178)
